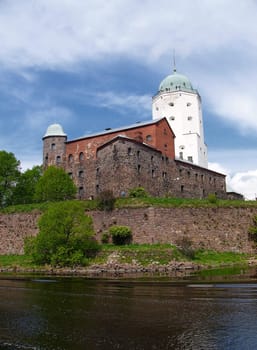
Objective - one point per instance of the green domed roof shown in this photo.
(54, 130)
(175, 82)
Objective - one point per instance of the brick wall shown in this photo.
(221, 229)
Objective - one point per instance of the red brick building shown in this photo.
(141, 154)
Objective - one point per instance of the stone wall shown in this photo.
(14, 228)
(221, 229)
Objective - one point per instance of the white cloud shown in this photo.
(240, 181)
(245, 183)
(56, 33)
(121, 102)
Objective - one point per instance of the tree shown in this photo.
(9, 175)
(24, 191)
(65, 236)
(54, 185)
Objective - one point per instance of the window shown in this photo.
(153, 173)
(129, 151)
(189, 118)
(46, 159)
(171, 104)
(190, 159)
(81, 191)
(53, 146)
(70, 175)
(81, 156)
(165, 146)
(149, 138)
(151, 158)
(81, 174)
(164, 174)
(58, 160)
(182, 188)
(70, 158)
(188, 174)
(157, 108)
(138, 168)
(188, 104)
(138, 154)
(164, 132)
(172, 118)
(180, 155)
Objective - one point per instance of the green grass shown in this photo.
(209, 257)
(16, 261)
(140, 203)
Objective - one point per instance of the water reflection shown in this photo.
(118, 314)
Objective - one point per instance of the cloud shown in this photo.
(58, 33)
(245, 183)
(120, 102)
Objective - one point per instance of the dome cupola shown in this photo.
(54, 130)
(174, 82)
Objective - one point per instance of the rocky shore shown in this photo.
(112, 269)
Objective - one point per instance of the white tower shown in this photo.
(180, 103)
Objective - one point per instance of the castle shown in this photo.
(166, 155)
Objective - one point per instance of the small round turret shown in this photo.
(54, 146)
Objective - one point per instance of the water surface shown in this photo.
(76, 313)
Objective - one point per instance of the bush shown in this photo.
(121, 235)
(65, 236)
(105, 238)
(138, 192)
(212, 198)
(106, 200)
(185, 247)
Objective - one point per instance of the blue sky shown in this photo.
(89, 65)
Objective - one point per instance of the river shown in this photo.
(152, 313)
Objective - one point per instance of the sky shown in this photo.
(94, 64)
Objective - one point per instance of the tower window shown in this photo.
(189, 118)
(138, 168)
(81, 174)
(188, 104)
(81, 156)
(53, 146)
(149, 138)
(138, 154)
(129, 151)
(190, 159)
(172, 118)
(182, 188)
(157, 108)
(58, 160)
(81, 191)
(171, 104)
(153, 173)
(70, 175)
(180, 155)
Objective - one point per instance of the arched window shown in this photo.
(149, 138)
(70, 158)
(81, 156)
(81, 174)
(53, 146)
(58, 160)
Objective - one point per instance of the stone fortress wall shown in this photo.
(221, 229)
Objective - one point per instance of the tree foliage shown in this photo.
(65, 236)
(54, 185)
(9, 175)
(24, 191)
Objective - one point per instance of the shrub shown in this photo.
(138, 192)
(121, 235)
(65, 236)
(185, 247)
(106, 200)
(105, 237)
(212, 198)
